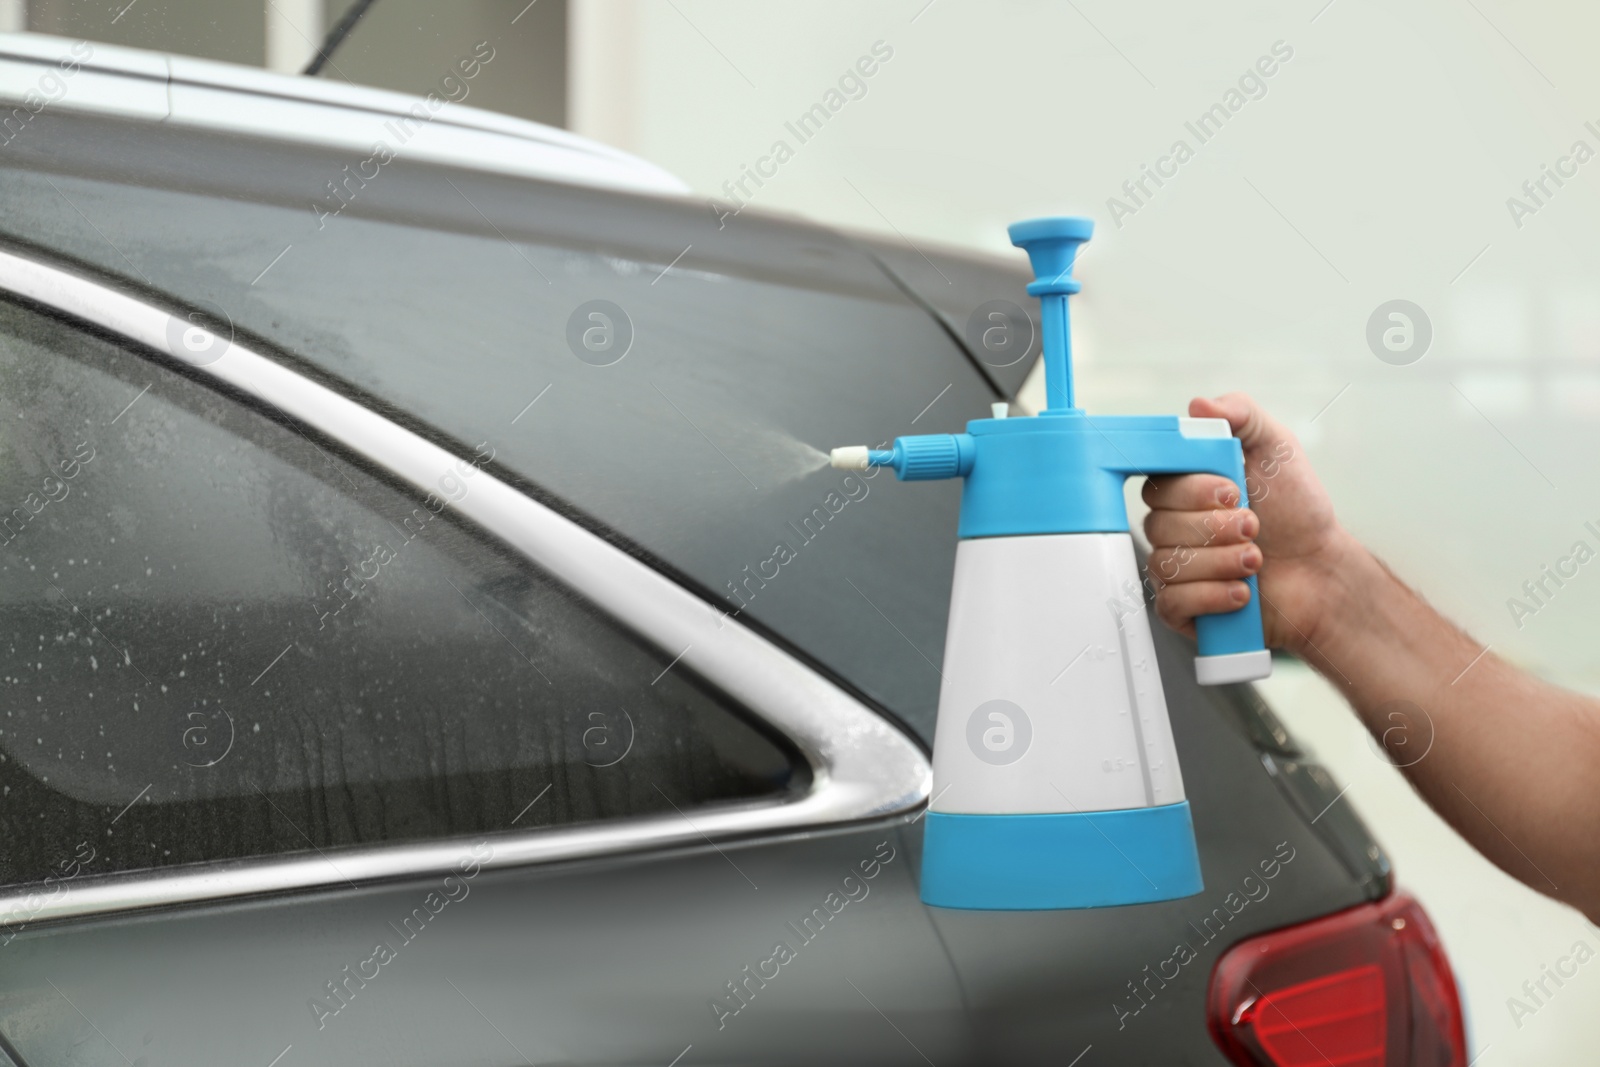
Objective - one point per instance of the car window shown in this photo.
(665, 375)
(219, 639)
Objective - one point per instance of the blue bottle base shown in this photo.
(1072, 860)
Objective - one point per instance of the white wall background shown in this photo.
(1376, 166)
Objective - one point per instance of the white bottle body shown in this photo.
(1051, 700)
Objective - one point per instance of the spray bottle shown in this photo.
(1055, 776)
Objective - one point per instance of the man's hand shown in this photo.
(1507, 759)
(1204, 545)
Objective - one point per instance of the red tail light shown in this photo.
(1368, 987)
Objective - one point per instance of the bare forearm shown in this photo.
(1508, 760)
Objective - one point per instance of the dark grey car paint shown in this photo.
(620, 961)
(953, 284)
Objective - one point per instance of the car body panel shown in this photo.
(954, 283)
(605, 962)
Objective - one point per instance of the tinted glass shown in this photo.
(660, 375)
(218, 640)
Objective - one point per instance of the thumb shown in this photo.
(1249, 423)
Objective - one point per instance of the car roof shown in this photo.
(118, 82)
(229, 99)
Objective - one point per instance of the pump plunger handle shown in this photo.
(1052, 247)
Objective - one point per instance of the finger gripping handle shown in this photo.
(1232, 647)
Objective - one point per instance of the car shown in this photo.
(432, 633)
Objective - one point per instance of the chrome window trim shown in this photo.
(862, 767)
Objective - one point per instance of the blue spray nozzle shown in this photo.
(919, 458)
(1052, 247)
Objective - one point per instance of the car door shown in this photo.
(324, 744)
